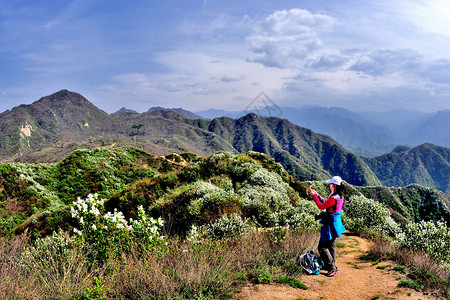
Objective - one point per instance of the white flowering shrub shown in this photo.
(104, 232)
(206, 196)
(28, 174)
(219, 156)
(264, 177)
(300, 216)
(264, 194)
(147, 229)
(193, 235)
(364, 215)
(228, 226)
(224, 227)
(44, 251)
(206, 189)
(430, 237)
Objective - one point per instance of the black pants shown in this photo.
(327, 252)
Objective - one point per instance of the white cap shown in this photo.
(336, 180)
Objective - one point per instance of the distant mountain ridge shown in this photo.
(61, 117)
(302, 152)
(435, 130)
(50, 128)
(346, 127)
(186, 113)
(426, 164)
(364, 133)
(125, 110)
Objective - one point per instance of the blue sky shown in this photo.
(360, 55)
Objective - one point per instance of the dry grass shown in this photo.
(183, 271)
(10, 270)
(208, 270)
(433, 275)
(51, 277)
(203, 271)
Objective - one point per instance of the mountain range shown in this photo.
(53, 126)
(364, 133)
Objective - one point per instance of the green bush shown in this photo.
(263, 276)
(224, 227)
(234, 185)
(6, 225)
(99, 291)
(364, 215)
(412, 284)
(291, 281)
(263, 194)
(46, 252)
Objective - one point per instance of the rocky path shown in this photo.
(356, 280)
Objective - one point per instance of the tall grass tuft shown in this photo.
(423, 270)
(46, 273)
(11, 271)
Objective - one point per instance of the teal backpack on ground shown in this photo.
(310, 263)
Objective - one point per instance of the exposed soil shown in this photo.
(356, 279)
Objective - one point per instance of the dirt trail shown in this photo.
(356, 280)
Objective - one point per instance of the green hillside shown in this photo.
(26, 189)
(115, 217)
(63, 117)
(186, 189)
(426, 165)
(303, 153)
(413, 202)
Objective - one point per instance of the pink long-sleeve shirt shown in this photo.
(332, 204)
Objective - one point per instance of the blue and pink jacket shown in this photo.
(332, 226)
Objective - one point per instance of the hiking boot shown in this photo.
(332, 272)
(327, 268)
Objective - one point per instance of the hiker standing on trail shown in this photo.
(332, 226)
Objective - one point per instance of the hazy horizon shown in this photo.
(198, 55)
(251, 107)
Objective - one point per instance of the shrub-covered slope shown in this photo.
(185, 189)
(250, 185)
(427, 165)
(111, 239)
(413, 202)
(26, 189)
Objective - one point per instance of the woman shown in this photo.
(332, 226)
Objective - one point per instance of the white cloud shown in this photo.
(289, 55)
(385, 61)
(285, 38)
(327, 62)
